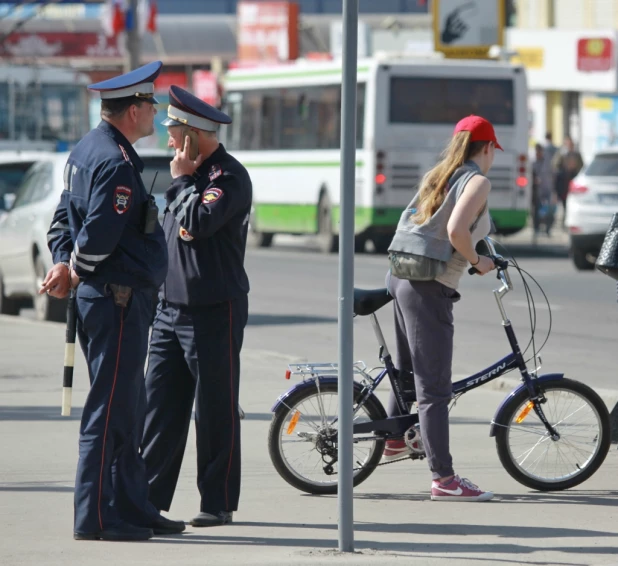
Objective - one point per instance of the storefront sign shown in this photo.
(595, 54)
(59, 45)
(529, 57)
(267, 31)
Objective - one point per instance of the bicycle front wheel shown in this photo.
(302, 440)
(533, 458)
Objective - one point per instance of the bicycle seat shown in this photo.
(369, 301)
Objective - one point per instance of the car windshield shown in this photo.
(11, 176)
(604, 165)
(161, 166)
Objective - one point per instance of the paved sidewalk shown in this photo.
(395, 521)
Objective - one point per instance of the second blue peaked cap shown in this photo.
(138, 83)
(186, 109)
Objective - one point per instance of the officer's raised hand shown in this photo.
(182, 164)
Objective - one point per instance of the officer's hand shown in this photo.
(57, 283)
(182, 164)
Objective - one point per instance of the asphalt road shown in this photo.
(294, 297)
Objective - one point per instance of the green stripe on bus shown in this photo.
(298, 164)
(509, 219)
(291, 75)
(303, 218)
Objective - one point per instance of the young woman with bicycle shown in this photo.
(452, 200)
(551, 432)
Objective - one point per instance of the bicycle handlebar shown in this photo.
(499, 262)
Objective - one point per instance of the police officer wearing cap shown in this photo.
(107, 243)
(199, 325)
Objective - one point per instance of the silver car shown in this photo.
(24, 256)
(591, 202)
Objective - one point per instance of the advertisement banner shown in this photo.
(267, 31)
(466, 29)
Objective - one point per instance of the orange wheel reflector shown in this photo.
(293, 422)
(524, 412)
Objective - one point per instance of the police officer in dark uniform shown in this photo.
(106, 241)
(199, 325)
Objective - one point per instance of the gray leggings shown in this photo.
(424, 338)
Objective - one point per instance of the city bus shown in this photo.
(286, 131)
(42, 108)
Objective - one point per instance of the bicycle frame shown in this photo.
(397, 425)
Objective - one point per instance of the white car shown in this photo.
(13, 168)
(591, 202)
(24, 255)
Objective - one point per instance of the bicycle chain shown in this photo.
(383, 464)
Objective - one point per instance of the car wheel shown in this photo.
(46, 307)
(581, 259)
(7, 306)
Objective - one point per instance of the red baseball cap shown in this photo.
(479, 128)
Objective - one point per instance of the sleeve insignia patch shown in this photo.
(122, 199)
(211, 195)
(215, 171)
(184, 235)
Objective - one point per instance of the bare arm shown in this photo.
(468, 206)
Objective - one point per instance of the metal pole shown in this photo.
(133, 40)
(345, 493)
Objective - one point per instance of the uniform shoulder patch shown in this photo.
(211, 195)
(215, 171)
(184, 235)
(122, 199)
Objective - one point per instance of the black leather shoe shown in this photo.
(122, 532)
(212, 519)
(164, 526)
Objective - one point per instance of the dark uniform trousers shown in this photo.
(111, 484)
(195, 355)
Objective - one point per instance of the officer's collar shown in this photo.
(215, 157)
(129, 152)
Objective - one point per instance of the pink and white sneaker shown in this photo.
(458, 489)
(394, 450)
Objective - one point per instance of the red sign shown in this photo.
(267, 31)
(595, 54)
(46, 45)
(206, 87)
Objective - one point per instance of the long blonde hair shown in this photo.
(432, 191)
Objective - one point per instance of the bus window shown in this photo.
(428, 100)
(270, 121)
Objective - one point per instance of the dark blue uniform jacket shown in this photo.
(205, 224)
(97, 223)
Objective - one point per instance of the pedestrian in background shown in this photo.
(203, 309)
(104, 247)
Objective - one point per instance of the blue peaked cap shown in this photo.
(138, 83)
(186, 109)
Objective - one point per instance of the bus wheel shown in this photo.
(381, 243)
(327, 240)
(257, 239)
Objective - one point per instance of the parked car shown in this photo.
(591, 202)
(13, 168)
(24, 256)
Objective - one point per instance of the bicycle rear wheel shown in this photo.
(302, 440)
(529, 454)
